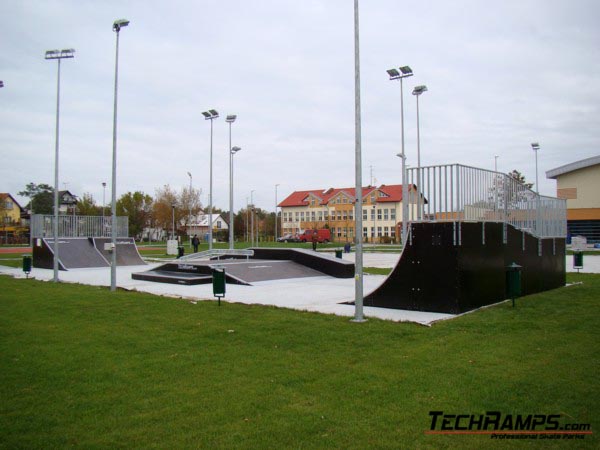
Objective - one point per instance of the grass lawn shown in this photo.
(83, 367)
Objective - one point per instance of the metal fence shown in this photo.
(78, 226)
(455, 192)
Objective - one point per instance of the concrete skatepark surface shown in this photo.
(322, 294)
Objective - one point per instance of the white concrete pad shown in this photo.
(319, 294)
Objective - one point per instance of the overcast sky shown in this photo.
(500, 76)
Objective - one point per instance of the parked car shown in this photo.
(287, 238)
(323, 235)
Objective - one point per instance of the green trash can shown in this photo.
(218, 277)
(27, 265)
(513, 281)
(338, 254)
(578, 260)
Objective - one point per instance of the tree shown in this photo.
(41, 198)
(137, 206)
(86, 206)
(189, 200)
(509, 191)
(162, 208)
(520, 178)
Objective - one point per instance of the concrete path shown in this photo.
(319, 294)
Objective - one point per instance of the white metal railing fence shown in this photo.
(454, 192)
(78, 226)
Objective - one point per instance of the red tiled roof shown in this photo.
(299, 198)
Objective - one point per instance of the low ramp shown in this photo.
(127, 252)
(73, 253)
(453, 267)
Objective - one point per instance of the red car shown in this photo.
(323, 235)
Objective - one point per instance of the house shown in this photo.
(10, 210)
(67, 202)
(579, 184)
(334, 209)
(200, 223)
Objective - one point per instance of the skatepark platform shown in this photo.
(84, 252)
(266, 264)
(454, 267)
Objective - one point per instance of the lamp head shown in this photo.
(234, 150)
(120, 23)
(231, 118)
(418, 90)
(535, 146)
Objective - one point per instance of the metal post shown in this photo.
(276, 212)
(113, 231)
(190, 215)
(404, 186)
(56, 159)
(210, 238)
(358, 274)
(230, 190)
(252, 219)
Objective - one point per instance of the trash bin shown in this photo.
(180, 251)
(578, 260)
(513, 281)
(218, 278)
(338, 253)
(27, 265)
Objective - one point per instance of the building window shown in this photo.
(373, 199)
(218, 224)
(373, 214)
(339, 232)
(385, 214)
(365, 232)
(379, 231)
(313, 216)
(393, 233)
(378, 214)
(339, 215)
(386, 231)
(345, 215)
(351, 215)
(393, 214)
(372, 232)
(365, 214)
(345, 232)
(320, 216)
(297, 216)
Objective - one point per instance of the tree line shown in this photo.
(157, 212)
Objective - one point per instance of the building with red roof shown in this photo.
(333, 208)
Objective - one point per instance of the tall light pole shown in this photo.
(417, 91)
(190, 212)
(276, 186)
(57, 55)
(247, 211)
(405, 71)
(535, 146)
(232, 152)
(230, 119)
(252, 218)
(358, 264)
(103, 199)
(172, 220)
(211, 115)
(496, 163)
(117, 25)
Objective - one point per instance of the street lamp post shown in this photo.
(57, 55)
(536, 146)
(276, 212)
(117, 25)
(405, 71)
(417, 91)
(211, 115)
(190, 212)
(103, 200)
(252, 218)
(230, 119)
(358, 202)
(172, 220)
(232, 152)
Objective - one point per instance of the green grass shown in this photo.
(83, 367)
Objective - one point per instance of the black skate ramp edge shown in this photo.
(455, 267)
(327, 264)
(163, 276)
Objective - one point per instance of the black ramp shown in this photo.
(453, 267)
(77, 253)
(127, 252)
(265, 270)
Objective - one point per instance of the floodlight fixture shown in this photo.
(393, 73)
(120, 23)
(214, 112)
(418, 90)
(60, 54)
(210, 114)
(234, 150)
(406, 71)
(1, 84)
(231, 118)
(206, 114)
(535, 146)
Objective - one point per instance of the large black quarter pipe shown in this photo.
(453, 267)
